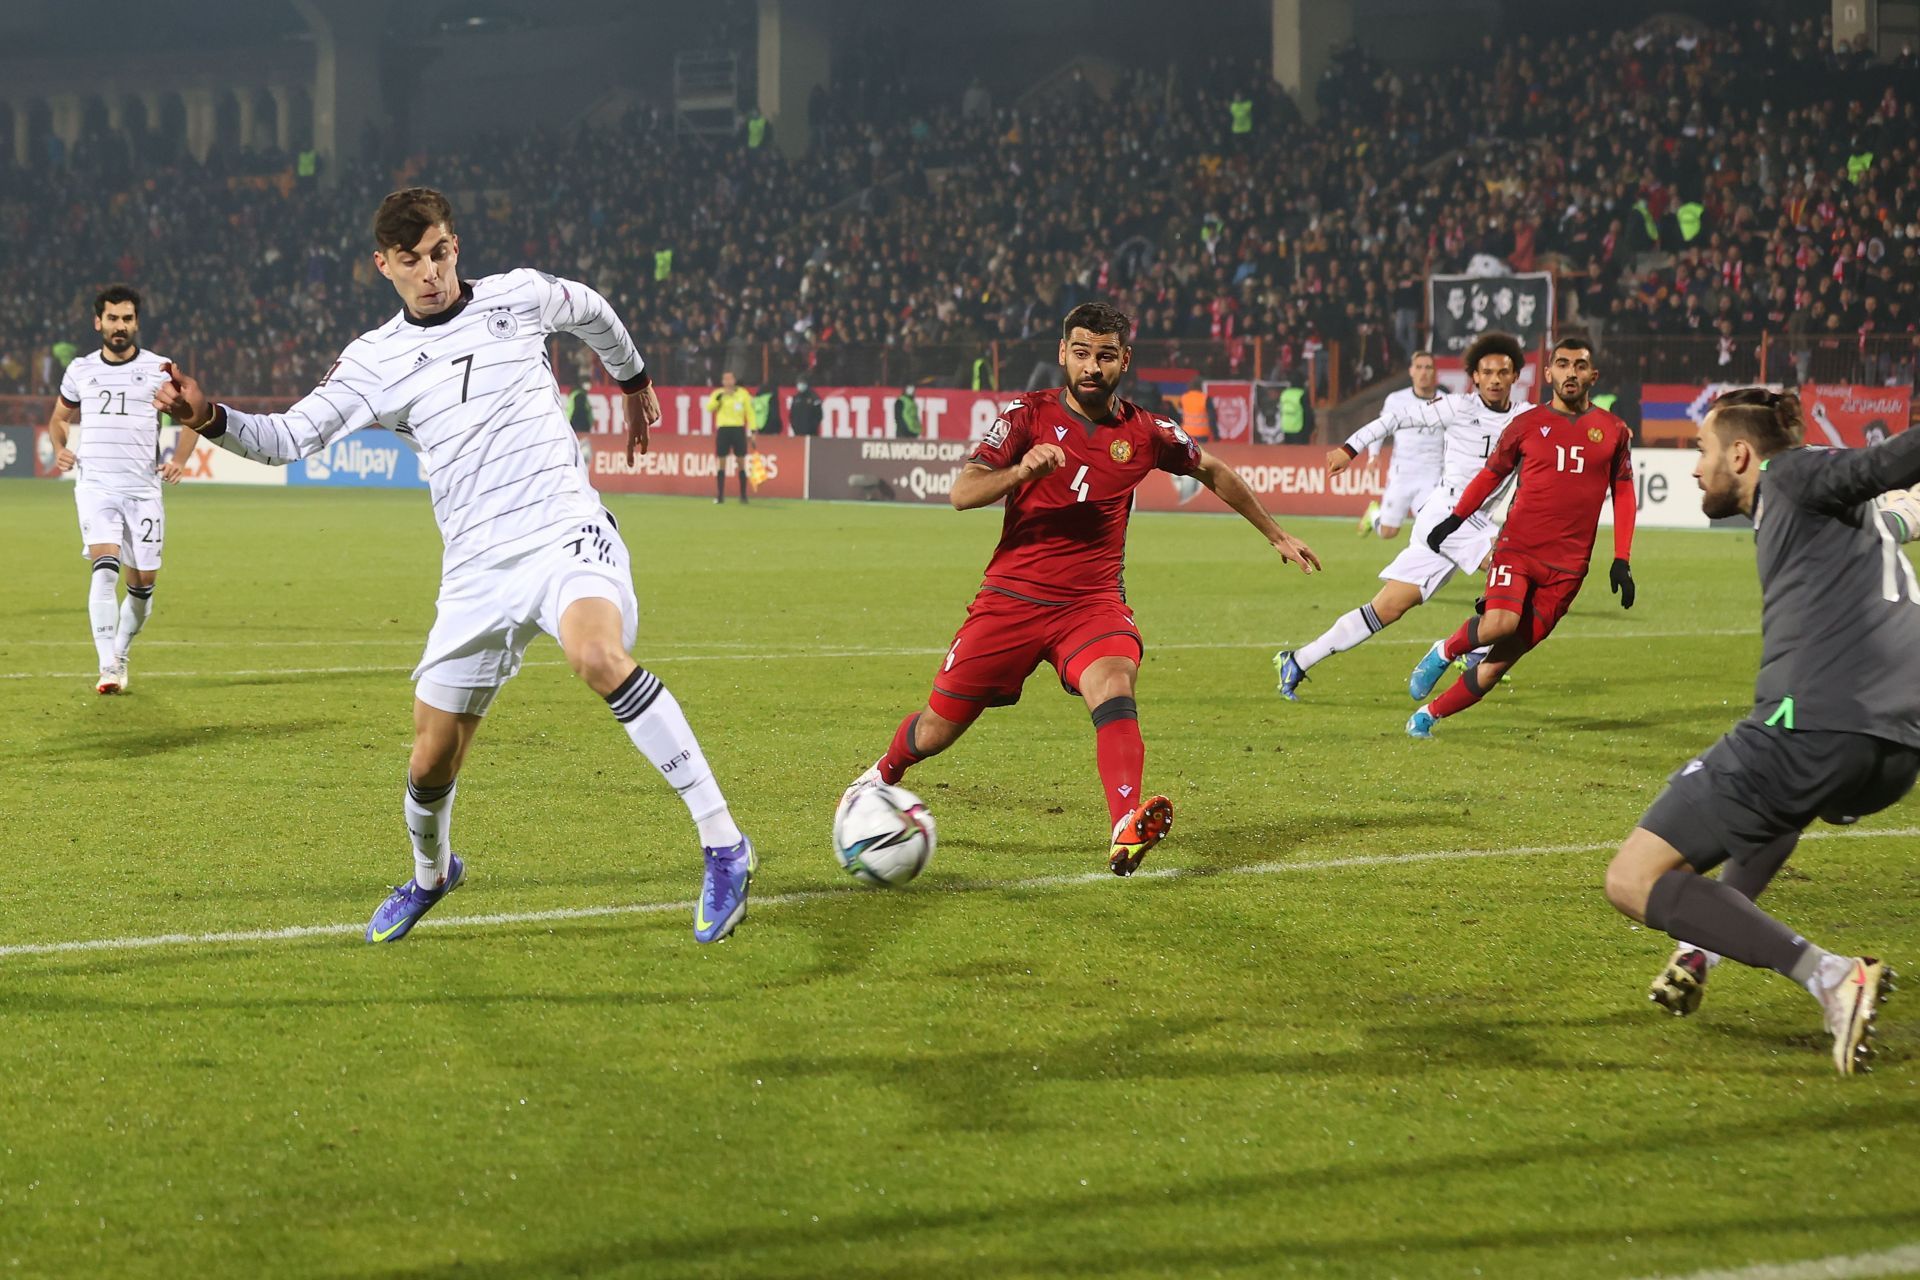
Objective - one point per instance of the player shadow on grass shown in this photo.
(108, 744)
(16, 1001)
(379, 679)
(1688, 723)
(853, 930)
(981, 1088)
(1772, 1030)
(860, 1243)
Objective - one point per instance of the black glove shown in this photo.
(1444, 530)
(1622, 579)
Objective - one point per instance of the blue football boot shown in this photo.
(1290, 672)
(1427, 672)
(408, 902)
(723, 891)
(1420, 724)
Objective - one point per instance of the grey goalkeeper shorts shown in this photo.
(1759, 783)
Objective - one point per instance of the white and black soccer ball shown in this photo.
(882, 835)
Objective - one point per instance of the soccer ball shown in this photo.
(883, 835)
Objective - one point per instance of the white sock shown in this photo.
(1348, 630)
(1828, 971)
(653, 719)
(103, 607)
(133, 616)
(429, 824)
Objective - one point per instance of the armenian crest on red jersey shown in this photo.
(1065, 534)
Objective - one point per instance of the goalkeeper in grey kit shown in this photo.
(1835, 729)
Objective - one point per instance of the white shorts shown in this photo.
(1404, 496)
(485, 619)
(134, 523)
(1430, 570)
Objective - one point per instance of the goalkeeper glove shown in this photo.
(1444, 530)
(1622, 579)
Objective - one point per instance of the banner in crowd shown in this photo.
(915, 471)
(1232, 401)
(1288, 479)
(16, 452)
(211, 464)
(1666, 496)
(372, 458)
(845, 412)
(1842, 416)
(776, 468)
(1461, 308)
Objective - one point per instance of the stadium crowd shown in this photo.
(1685, 183)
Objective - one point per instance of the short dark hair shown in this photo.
(1574, 342)
(1097, 318)
(406, 215)
(1494, 344)
(1768, 420)
(115, 293)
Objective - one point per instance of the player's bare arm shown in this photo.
(1227, 485)
(643, 410)
(64, 416)
(979, 485)
(173, 468)
(1337, 460)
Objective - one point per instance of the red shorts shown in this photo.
(1006, 638)
(1541, 596)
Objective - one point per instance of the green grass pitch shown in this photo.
(1328, 1047)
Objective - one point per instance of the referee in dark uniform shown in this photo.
(1835, 727)
(732, 407)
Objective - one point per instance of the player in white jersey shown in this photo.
(1418, 444)
(461, 374)
(118, 472)
(1470, 425)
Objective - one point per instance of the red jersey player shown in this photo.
(1067, 462)
(1569, 455)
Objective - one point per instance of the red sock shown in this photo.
(1466, 639)
(900, 754)
(1121, 755)
(1465, 692)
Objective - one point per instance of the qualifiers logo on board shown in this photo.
(502, 324)
(1595, 434)
(1122, 450)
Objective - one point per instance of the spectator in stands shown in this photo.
(1319, 240)
(766, 411)
(805, 410)
(1197, 413)
(906, 414)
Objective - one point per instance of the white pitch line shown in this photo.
(295, 932)
(796, 654)
(1901, 1261)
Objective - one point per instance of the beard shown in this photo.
(1718, 504)
(1097, 394)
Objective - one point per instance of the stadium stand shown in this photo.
(1783, 200)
